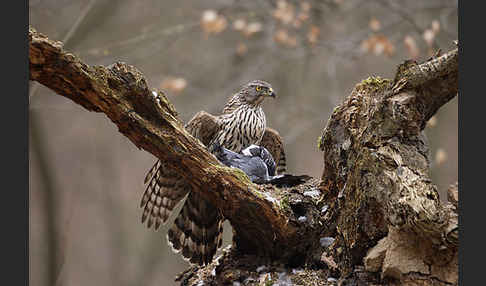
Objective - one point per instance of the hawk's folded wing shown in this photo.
(274, 144)
(203, 126)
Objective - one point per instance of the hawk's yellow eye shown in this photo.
(258, 88)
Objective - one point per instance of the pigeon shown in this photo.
(258, 164)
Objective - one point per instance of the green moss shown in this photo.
(319, 144)
(259, 194)
(237, 172)
(242, 176)
(284, 202)
(373, 84)
(372, 80)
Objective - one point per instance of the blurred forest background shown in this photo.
(86, 179)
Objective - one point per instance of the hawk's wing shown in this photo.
(198, 228)
(274, 144)
(165, 187)
(203, 126)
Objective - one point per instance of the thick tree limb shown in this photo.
(376, 163)
(151, 123)
(435, 81)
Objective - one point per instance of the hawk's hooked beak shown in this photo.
(271, 93)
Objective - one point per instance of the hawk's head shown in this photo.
(255, 92)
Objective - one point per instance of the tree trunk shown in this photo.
(374, 205)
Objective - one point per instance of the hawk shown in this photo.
(197, 230)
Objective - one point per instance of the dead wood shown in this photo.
(376, 171)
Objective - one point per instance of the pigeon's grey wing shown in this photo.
(264, 154)
(256, 169)
(269, 161)
(225, 156)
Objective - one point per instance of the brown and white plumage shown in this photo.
(197, 230)
(273, 142)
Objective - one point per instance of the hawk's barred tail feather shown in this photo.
(197, 231)
(282, 163)
(164, 191)
(150, 173)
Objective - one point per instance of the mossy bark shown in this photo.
(376, 167)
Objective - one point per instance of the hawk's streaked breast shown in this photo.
(241, 128)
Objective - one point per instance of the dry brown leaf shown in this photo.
(440, 156)
(313, 35)
(283, 37)
(305, 6)
(292, 41)
(429, 37)
(284, 12)
(252, 28)
(430, 34)
(436, 26)
(241, 49)
(174, 84)
(378, 44)
(303, 17)
(212, 22)
(239, 25)
(374, 24)
(365, 46)
(411, 46)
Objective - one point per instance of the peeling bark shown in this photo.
(374, 205)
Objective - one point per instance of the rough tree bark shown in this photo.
(375, 204)
(376, 175)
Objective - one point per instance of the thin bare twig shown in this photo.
(35, 85)
(146, 36)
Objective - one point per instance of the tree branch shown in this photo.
(434, 81)
(151, 123)
(376, 161)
